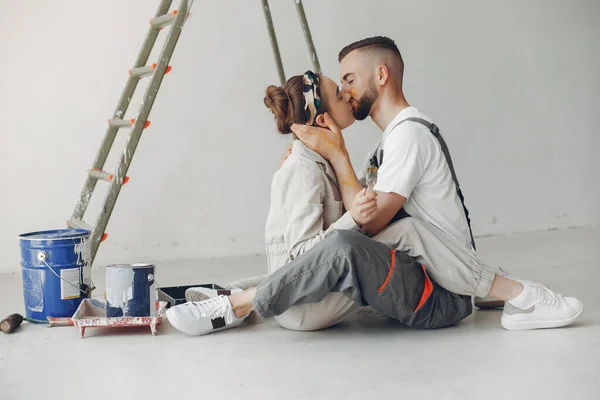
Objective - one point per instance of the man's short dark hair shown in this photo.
(376, 42)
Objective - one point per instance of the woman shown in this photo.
(306, 208)
(305, 197)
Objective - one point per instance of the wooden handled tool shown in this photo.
(10, 323)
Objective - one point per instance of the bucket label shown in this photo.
(69, 283)
(33, 285)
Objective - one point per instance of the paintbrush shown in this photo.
(371, 178)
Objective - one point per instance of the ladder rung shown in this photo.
(120, 123)
(99, 174)
(163, 20)
(78, 224)
(146, 70)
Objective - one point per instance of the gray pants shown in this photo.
(449, 262)
(368, 272)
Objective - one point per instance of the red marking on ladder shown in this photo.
(147, 124)
(104, 236)
(153, 66)
(125, 180)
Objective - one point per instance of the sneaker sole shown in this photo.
(489, 305)
(175, 324)
(538, 324)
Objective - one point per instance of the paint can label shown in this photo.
(33, 285)
(69, 283)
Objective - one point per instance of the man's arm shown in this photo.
(388, 204)
(346, 177)
(330, 144)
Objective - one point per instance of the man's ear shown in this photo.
(383, 74)
(321, 121)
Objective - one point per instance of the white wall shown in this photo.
(513, 85)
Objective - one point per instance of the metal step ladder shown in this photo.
(136, 125)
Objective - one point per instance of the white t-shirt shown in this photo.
(414, 166)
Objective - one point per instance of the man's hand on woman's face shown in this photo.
(329, 143)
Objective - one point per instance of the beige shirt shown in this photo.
(306, 206)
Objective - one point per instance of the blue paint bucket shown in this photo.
(56, 272)
(130, 290)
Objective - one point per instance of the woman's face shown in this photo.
(339, 109)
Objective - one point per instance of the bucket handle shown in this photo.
(43, 256)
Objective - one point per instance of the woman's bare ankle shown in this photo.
(241, 303)
(505, 289)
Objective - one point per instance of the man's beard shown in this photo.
(365, 103)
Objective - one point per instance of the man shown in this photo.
(415, 177)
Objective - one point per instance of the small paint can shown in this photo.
(130, 290)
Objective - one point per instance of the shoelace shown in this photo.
(212, 308)
(550, 298)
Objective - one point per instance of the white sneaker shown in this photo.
(201, 293)
(490, 302)
(203, 317)
(549, 310)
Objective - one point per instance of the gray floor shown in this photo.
(365, 357)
